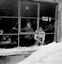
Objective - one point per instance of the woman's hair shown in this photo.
(40, 28)
(28, 21)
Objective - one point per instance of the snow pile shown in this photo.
(48, 54)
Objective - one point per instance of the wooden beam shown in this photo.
(59, 26)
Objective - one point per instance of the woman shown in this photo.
(39, 36)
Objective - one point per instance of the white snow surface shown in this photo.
(47, 54)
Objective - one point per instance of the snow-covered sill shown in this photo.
(18, 50)
(30, 50)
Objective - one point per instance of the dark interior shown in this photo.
(7, 24)
(47, 9)
(10, 11)
(9, 8)
(13, 43)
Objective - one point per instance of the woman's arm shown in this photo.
(37, 39)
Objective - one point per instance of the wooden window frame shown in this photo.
(19, 22)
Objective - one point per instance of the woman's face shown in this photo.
(40, 29)
(29, 25)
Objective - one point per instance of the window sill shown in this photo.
(18, 50)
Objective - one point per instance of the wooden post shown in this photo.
(59, 26)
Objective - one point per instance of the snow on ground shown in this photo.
(48, 54)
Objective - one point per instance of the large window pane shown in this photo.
(49, 38)
(8, 41)
(28, 25)
(9, 8)
(47, 9)
(47, 26)
(27, 40)
(8, 25)
(28, 9)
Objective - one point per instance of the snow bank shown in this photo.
(45, 55)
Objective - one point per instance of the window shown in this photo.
(20, 23)
(8, 24)
(29, 9)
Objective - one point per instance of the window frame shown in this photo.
(19, 21)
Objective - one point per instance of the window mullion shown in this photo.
(38, 16)
(19, 21)
(56, 22)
